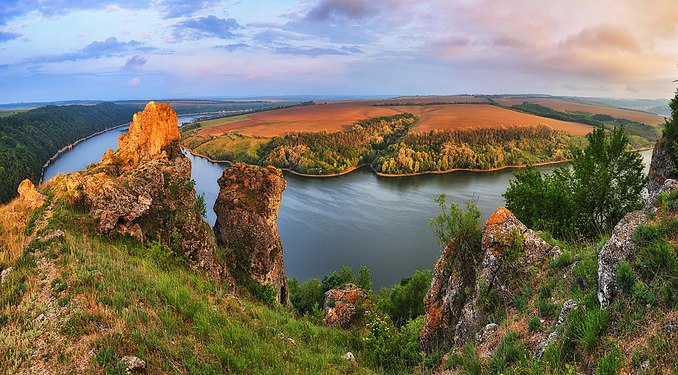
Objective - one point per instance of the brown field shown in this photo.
(464, 116)
(329, 117)
(429, 99)
(339, 116)
(566, 105)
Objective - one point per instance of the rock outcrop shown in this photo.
(144, 189)
(618, 248)
(453, 303)
(29, 195)
(660, 167)
(247, 210)
(341, 305)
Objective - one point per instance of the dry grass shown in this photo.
(566, 105)
(14, 218)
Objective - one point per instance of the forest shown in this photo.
(486, 148)
(29, 139)
(326, 153)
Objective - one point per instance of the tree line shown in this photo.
(28, 140)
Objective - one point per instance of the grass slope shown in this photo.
(80, 303)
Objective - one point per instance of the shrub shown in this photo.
(307, 297)
(405, 301)
(610, 364)
(657, 258)
(509, 351)
(586, 328)
(625, 276)
(533, 324)
(364, 279)
(646, 234)
(389, 348)
(339, 278)
(564, 259)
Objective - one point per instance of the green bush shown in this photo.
(610, 364)
(563, 260)
(603, 183)
(510, 351)
(655, 259)
(625, 276)
(389, 348)
(586, 327)
(647, 234)
(339, 278)
(307, 297)
(533, 324)
(364, 279)
(405, 301)
(642, 294)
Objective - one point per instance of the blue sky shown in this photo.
(154, 49)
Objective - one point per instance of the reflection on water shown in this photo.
(355, 219)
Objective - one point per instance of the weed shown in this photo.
(509, 352)
(625, 276)
(533, 324)
(610, 364)
(586, 327)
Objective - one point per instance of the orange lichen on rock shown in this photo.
(29, 195)
(341, 305)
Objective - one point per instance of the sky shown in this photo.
(153, 49)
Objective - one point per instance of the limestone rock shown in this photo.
(341, 305)
(349, 357)
(144, 189)
(618, 248)
(5, 274)
(660, 167)
(452, 303)
(484, 334)
(29, 195)
(568, 306)
(52, 236)
(247, 210)
(150, 132)
(668, 186)
(133, 363)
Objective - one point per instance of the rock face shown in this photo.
(452, 304)
(29, 195)
(247, 209)
(150, 132)
(340, 305)
(660, 167)
(145, 190)
(618, 248)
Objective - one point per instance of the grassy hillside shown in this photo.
(29, 139)
(84, 301)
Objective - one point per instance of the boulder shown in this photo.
(247, 210)
(486, 333)
(618, 248)
(29, 194)
(133, 363)
(341, 305)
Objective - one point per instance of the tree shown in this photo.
(587, 198)
(671, 132)
(364, 279)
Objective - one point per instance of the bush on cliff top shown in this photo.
(602, 185)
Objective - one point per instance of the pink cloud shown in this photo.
(134, 82)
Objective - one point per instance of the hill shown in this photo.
(29, 139)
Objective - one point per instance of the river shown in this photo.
(355, 219)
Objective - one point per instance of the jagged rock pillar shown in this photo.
(247, 210)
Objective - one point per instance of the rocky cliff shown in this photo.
(247, 209)
(144, 189)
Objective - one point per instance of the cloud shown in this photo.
(352, 9)
(6, 36)
(107, 48)
(134, 82)
(232, 47)
(604, 37)
(134, 62)
(206, 27)
(50, 8)
(308, 51)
